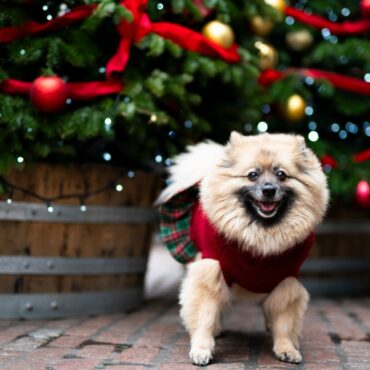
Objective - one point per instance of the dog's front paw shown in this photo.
(288, 355)
(200, 356)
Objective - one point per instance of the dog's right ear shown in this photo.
(236, 138)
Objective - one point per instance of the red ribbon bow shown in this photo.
(186, 38)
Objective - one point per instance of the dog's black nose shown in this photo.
(269, 190)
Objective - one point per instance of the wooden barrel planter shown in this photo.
(340, 261)
(78, 255)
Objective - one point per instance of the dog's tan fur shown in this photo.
(204, 292)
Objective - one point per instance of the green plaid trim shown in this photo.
(175, 218)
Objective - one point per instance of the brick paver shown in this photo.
(336, 336)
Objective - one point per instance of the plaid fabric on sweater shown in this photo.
(175, 218)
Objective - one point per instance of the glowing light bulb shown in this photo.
(262, 126)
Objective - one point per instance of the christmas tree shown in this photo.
(133, 82)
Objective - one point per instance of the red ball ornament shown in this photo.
(49, 94)
(363, 193)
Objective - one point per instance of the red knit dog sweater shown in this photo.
(259, 274)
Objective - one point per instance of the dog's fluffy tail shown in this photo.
(191, 167)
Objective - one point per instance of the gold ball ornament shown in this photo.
(261, 26)
(268, 55)
(220, 33)
(299, 40)
(294, 108)
(279, 5)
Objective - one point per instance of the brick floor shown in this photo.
(336, 336)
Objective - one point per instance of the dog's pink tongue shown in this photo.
(267, 207)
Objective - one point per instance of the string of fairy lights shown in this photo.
(115, 184)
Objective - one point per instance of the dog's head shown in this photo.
(268, 192)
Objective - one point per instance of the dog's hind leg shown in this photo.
(203, 295)
(284, 309)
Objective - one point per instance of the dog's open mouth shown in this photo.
(267, 209)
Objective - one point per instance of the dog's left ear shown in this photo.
(302, 147)
(308, 158)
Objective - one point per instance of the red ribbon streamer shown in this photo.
(345, 28)
(79, 13)
(93, 89)
(76, 90)
(10, 86)
(342, 82)
(194, 41)
(362, 156)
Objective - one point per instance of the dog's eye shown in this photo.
(252, 176)
(281, 175)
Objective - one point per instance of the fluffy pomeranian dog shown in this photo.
(244, 214)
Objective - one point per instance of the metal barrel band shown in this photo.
(326, 266)
(330, 265)
(344, 227)
(12, 265)
(25, 211)
(58, 305)
(337, 287)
